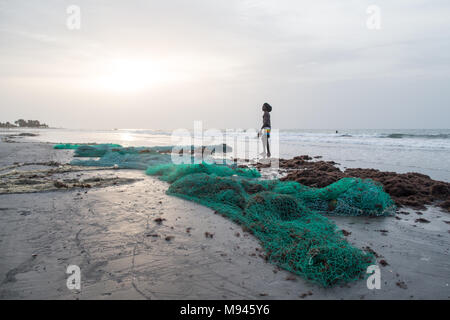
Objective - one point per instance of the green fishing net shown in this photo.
(112, 155)
(287, 217)
(76, 146)
(170, 173)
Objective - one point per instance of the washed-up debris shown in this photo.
(383, 232)
(57, 177)
(159, 220)
(209, 235)
(154, 235)
(304, 295)
(60, 184)
(369, 249)
(291, 277)
(384, 263)
(346, 233)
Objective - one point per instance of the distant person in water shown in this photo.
(265, 129)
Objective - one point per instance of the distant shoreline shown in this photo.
(30, 128)
(21, 123)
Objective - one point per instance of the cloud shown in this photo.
(232, 54)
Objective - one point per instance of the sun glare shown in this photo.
(131, 75)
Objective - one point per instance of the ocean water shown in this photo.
(424, 151)
(412, 150)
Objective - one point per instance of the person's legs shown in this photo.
(264, 139)
(265, 142)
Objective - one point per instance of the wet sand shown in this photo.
(132, 241)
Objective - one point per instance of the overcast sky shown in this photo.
(164, 64)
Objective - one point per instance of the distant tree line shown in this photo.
(21, 123)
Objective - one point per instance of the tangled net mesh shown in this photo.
(285, 216)
(76, 146)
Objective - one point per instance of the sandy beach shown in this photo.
(132, 241)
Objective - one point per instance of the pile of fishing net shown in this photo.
(113, 155)
(285, 216)
(76, 146)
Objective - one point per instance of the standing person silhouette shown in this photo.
(265, 129)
